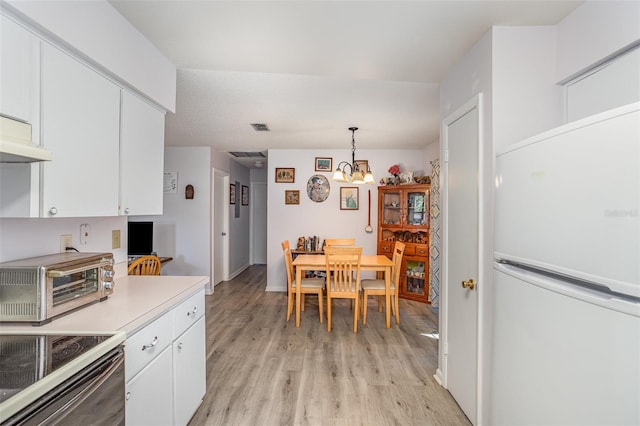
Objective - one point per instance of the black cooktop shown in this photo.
(25, 359)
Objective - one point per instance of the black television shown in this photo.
(140, 238)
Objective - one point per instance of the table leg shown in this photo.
(298, 281)
(387, 296)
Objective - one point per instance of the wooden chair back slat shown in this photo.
(341, 242)
(343, 278)
(145, 265)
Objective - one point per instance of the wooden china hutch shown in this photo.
(403, 215)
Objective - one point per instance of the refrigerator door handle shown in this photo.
(615, 302)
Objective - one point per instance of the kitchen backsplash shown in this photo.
(22, 238)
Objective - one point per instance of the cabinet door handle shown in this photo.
(128, 396)
(150, 345)
(180, 345)
(53, 211)
(195, 309)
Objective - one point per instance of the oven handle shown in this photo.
(62, 273)
(85, 393)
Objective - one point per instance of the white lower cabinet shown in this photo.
(165, 366)
(189, 371)
(149, 394)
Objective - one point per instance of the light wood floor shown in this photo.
(261, 370)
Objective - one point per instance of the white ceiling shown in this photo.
(311, 69)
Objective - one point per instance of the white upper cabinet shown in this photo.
(19, 50)
(80, 126)
(141, 157)
(107, 144)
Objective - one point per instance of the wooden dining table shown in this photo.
(316, 262)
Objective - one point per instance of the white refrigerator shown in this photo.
(566, 333)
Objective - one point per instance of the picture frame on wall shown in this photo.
(285, 175)
(349, 198)
(232, 193)
(324, 164)
(292, 196)
(245, 195)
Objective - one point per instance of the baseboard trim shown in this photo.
(438, 377)
(238, 272)
(278, 288)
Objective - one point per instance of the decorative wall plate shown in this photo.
(318, 188)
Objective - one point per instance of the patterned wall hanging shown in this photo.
(435, 236)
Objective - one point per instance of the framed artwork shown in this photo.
(349, 198)
(285, 175)
(318, 188)
(323, 164)
(292, 196)
(362, 165)
(245, 195)
(232, 193)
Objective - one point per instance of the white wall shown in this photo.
(96, 31)
(326, 220)
(469, 77)
(183, 230)
(239, 227)
(526, 100)
(595, 31)
(22, 238)
(431, 152)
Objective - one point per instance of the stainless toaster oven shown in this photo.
(40, 288)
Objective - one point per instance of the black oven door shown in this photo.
(94, 396)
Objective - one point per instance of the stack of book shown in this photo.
(311, 243)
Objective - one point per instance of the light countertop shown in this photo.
(136, 301)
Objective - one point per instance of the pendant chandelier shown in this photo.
(355, 175)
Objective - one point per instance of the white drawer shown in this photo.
(142, 347)
(187, 313)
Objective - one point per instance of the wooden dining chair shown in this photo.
(145, 265)
(375, 287)
(307, 285)
(343, 278)
(339, 242)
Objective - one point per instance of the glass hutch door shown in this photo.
(391, 208)
(416, 213)
(414, 272)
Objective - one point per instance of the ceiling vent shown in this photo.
(241, 154)
(260, 127)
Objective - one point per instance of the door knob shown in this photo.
(224, 233)
(470, 284)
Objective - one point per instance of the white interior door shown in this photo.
(461, 139)
(220, 227)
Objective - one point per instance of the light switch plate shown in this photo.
(115, 239)
(84, 233)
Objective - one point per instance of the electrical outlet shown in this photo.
(65, 241)
(115, 239)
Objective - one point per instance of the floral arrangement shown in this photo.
(394, 170)
(395, 180)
